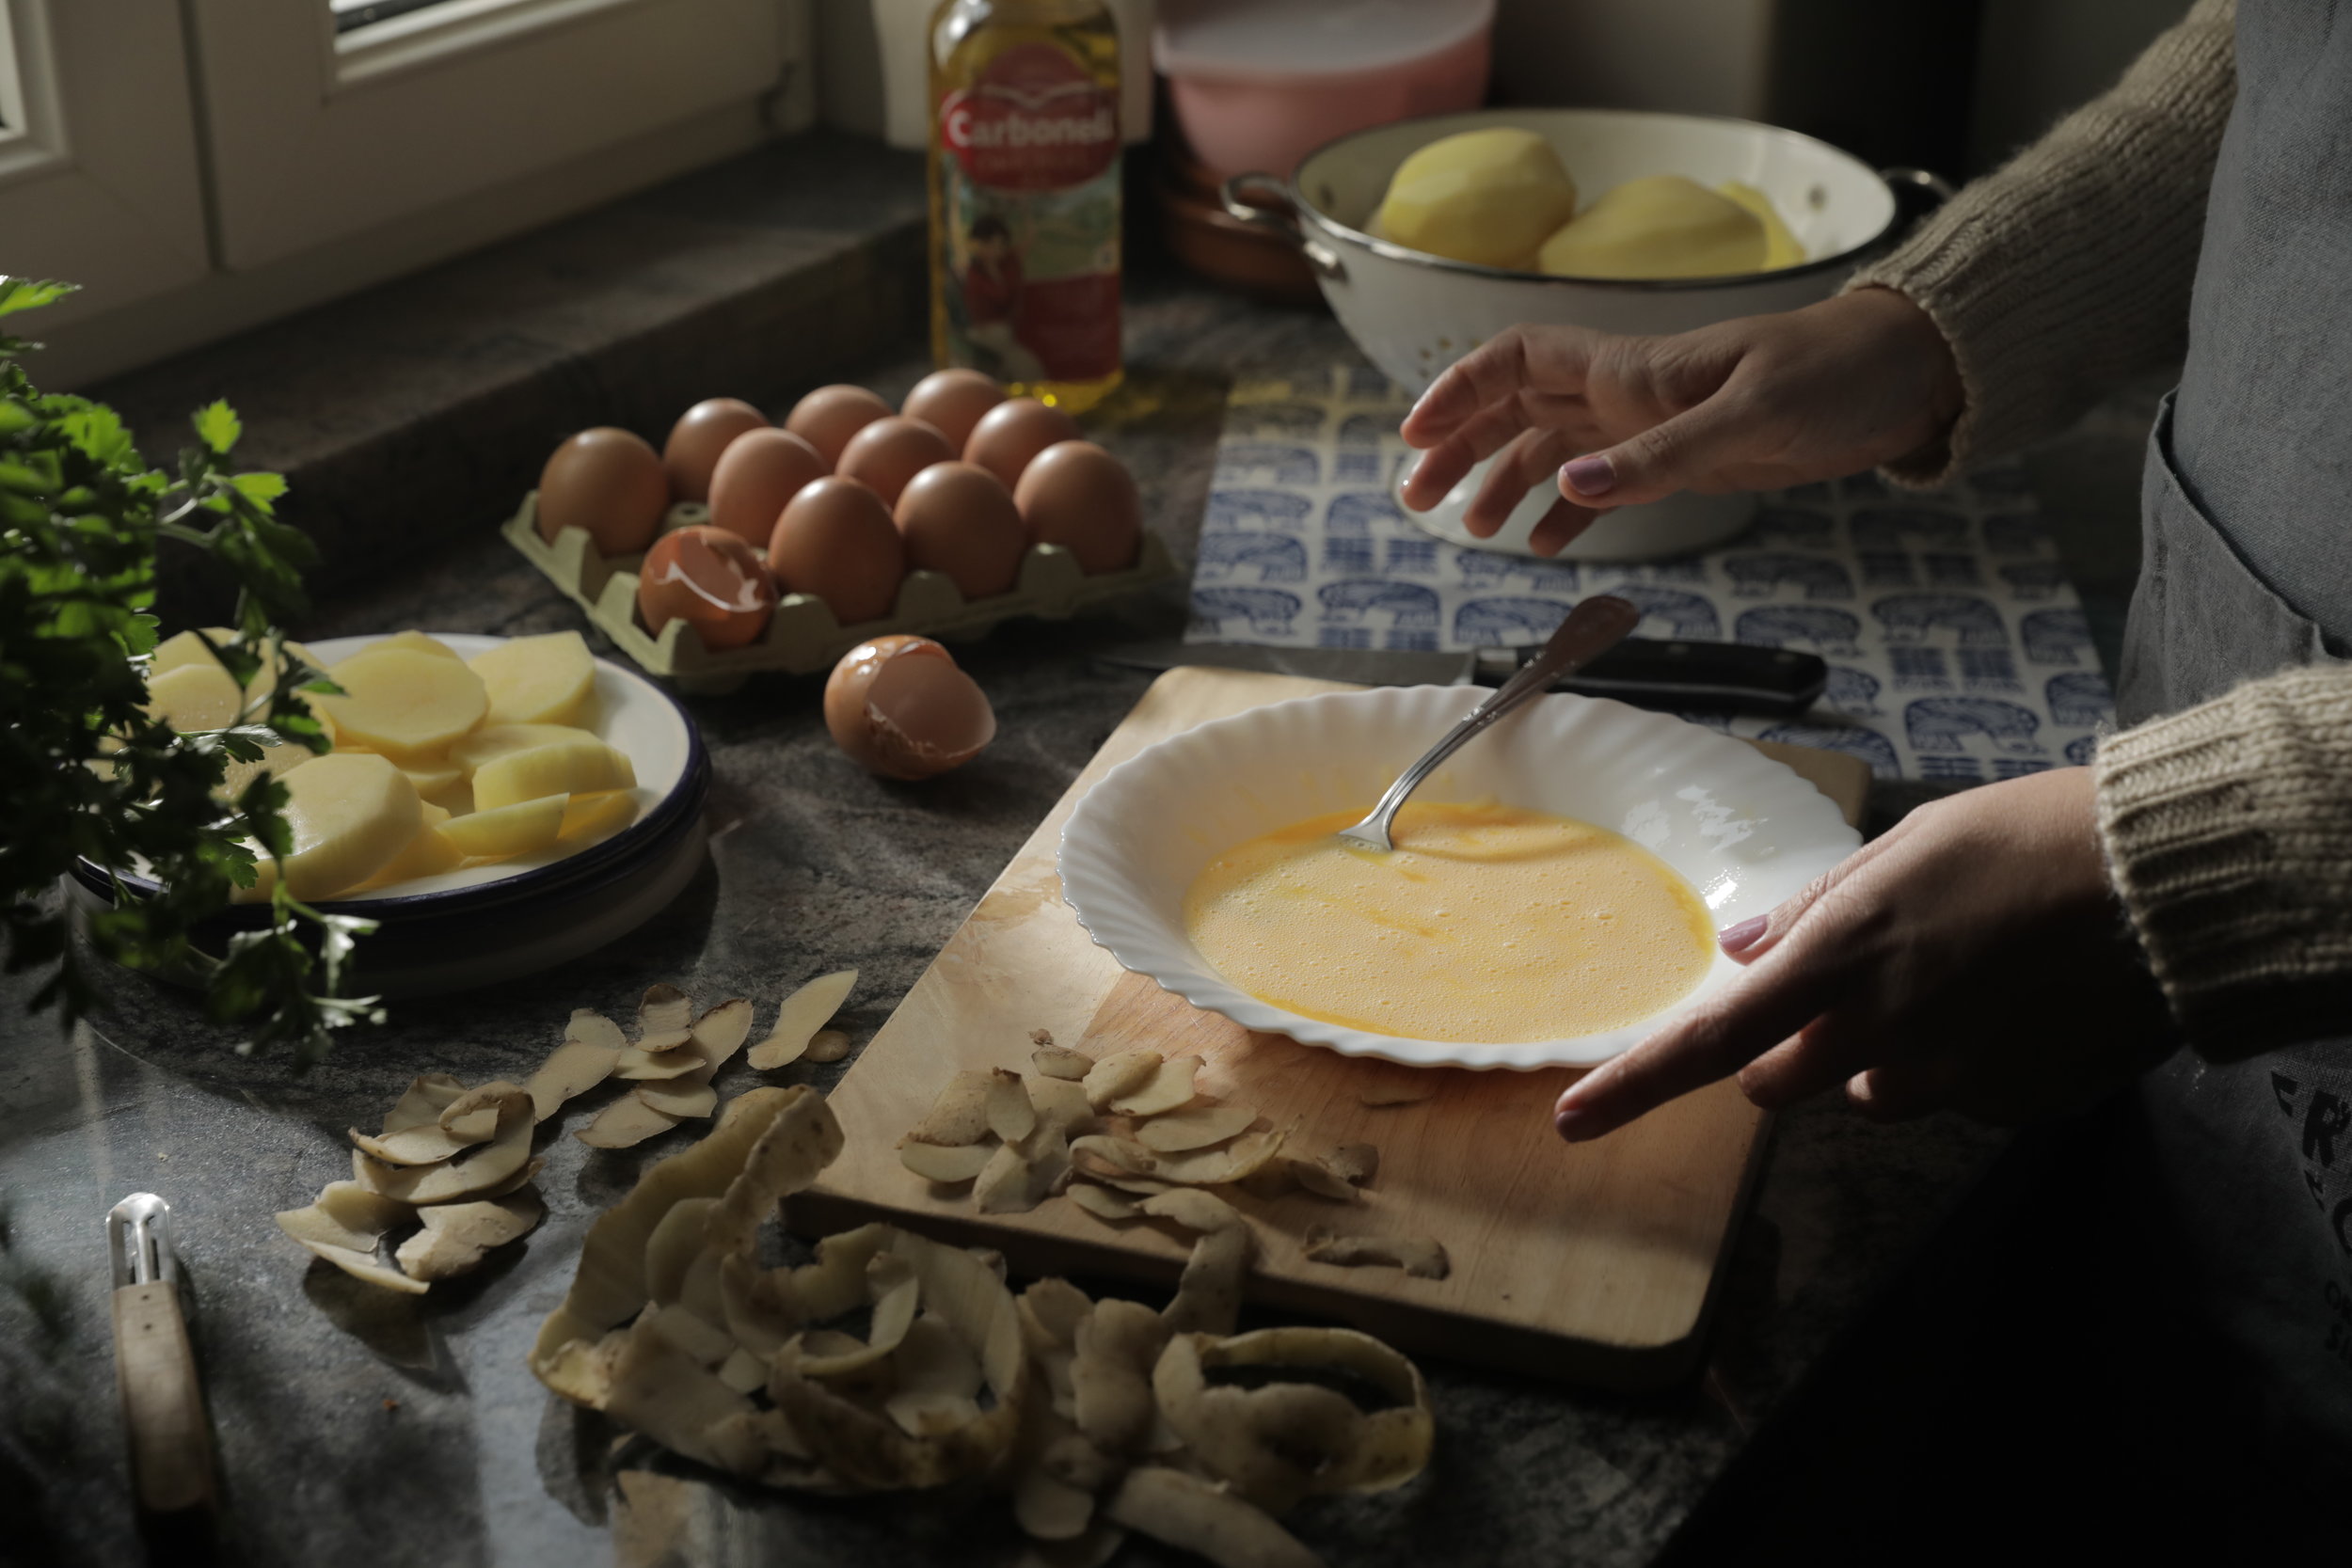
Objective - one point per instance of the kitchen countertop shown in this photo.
(394, 1429)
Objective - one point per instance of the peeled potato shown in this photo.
(428, 853)
(195, 697)
(404, 702)
(349, 814)
(592, 819)
(1662, 226)
(174, 653)
(565, 768)
(537, 680)
(492, 741)
(276, 761)
(1781, 247)
(1488, 197)
(524, 828)
(434, 777)
(415, 642)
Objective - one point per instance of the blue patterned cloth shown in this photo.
(1956, 645)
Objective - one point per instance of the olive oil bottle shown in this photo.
(1025, 178)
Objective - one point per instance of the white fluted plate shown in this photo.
(1743, 830)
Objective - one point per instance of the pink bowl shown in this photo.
(1265, 113)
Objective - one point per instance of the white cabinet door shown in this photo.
(99, 183)
(318, 135)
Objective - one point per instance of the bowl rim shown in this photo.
(1390, 250)
(1255, 1014)
(597, 863)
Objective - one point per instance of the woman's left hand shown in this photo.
(1971, 957)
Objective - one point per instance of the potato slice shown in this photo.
(946, 1166)
(503, 832)
(187, 648)
(536, 680)
(456, 1236)
(1194, 1127)
(415, 642)
(1119, 1074)
(493, 741)
(427, 854)
(276, 762)
(195, 697)
(592, 819)
(565, 768)
(405, 704)
(1168, 1088)
(799, 1019)
(434, 777)
(349, 814)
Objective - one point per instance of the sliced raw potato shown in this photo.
(959, 1116)
(1053, 1062)
(1418, 1256)
(803, 1013)
(1198, 1515)
(456, 1236)
(1119, 1074)
(492, 741)
(434, 777)
(592, 819)
(501, 832)
(426, 1097)
(625, 1124)
(276, 762)
(592, 1046)
(349, 815)
(426, 854)
(345, 1214)
(1194, 1127)
(1168, 1088)
(405, 704)
(415, 642)
(1102, 1202)
(1010, 1115)
(947, 1166)
(265, 683)
(194, 697)
(565, 768)
(187, 648)
(537, 680)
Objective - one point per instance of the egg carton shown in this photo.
(802, 635)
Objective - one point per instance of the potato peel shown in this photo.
(457, 1236)
(1208, 1294)
(626, 1123)
(1103, 1203)
(943, 1163)
(1396, 1441)
(959, 1116)
(1195, 1515)
(1052, 1061)
(1011, 1114)
(426, 1097)
(1269, 1444)
(1110, 1377)
(1194, 1127)
(1168, 1088)
(1420, 1256)
(1119, 1074)
(580, 1063)
(802, 1015)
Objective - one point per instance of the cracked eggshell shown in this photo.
(900, 707)
(711, 579)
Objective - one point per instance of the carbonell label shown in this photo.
(1034, 121)
(1029, 166)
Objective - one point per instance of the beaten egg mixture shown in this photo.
(1486, 922)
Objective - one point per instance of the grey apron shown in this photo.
(2248, 569)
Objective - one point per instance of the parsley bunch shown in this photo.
(91, 774)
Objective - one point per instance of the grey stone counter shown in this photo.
(354, 1426)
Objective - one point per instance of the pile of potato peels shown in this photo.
(1098, 1416)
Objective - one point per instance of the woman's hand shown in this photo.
(1751, 405)
(1971, 957)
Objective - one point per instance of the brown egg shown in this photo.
(827, 417)
(1012, 433)
(608, 483)
(835, 540)
(757, 478)
(711, 579)
(900, 707)
(957, 518)
(888, 452)
(952, 402)
(1078, 496)
(702, 434)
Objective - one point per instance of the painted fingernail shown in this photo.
(1590, 475)
(1734, 938)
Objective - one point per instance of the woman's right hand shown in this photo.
(1757, 404)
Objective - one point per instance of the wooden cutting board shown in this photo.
(1594, 1262)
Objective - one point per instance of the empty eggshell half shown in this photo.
(900, 707)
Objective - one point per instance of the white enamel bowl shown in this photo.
(1743, 830)
(1413, 313)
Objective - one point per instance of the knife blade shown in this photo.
(1676, 674)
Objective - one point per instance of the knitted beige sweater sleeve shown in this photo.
(2227, 830)
(2069, 269)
